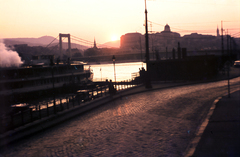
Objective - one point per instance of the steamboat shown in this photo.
(40, 79)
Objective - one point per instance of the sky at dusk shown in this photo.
(107, 20)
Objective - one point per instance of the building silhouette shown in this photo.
(94, 44)
(167, 40)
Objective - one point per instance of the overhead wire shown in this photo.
(177, 28)
(199, 31)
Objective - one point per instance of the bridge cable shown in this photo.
(52, 41)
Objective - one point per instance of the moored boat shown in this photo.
(18, 84)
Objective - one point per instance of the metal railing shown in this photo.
(35, 112)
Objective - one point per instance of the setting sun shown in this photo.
(114, 38)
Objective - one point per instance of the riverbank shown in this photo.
(53, 120)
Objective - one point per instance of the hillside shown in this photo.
(110, 44)
(44, 40)
(41, 41)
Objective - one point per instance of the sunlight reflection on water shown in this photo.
(124, 71)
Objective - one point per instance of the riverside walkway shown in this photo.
(220, 134)
(124, 93)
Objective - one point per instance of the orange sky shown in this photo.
(108, 19)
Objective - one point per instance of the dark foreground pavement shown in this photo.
(221, 135)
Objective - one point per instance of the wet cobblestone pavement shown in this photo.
(154, 123)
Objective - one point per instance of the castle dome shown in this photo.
(167, 28)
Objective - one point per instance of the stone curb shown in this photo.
(198, 135)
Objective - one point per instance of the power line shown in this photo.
(199, 31)
(177, 28)
(202, 3)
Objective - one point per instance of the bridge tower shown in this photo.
(60, 44)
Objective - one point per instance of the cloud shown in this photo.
(8, 58)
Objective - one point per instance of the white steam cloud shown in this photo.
(8, 58)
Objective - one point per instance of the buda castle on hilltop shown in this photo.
(166, 40)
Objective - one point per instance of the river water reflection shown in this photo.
(101, 72)
(124, 71)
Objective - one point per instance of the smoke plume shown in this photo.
(8, 58)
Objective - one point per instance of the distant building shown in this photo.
(95, 45)
(166, 40)
(199, 42)
(157, 41)
(130, 41)
(218, 34)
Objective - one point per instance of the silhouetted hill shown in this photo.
(41, 41)
(110, 44)
(44, 40)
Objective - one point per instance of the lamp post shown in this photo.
(113, 58)
(101, 73)
(147, 74)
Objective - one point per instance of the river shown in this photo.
(101, 72)
(123, 71)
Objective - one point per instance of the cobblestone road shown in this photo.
(155, 123)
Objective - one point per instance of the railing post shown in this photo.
(31, 114)
(97, 91)
(78, 99)
(61, 104)
(105, 89)
(22, 117)
(92, 92)
(12, 120)
(39, 109)
(72, 101)
(67, 102)
(47, 110)
(1, 124)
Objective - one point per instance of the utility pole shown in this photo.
(230, 47)
(147, 76)
(222, 38)
(152, 47)
(228, 64)
(140, 43)
(227, 43)
(146, 35)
